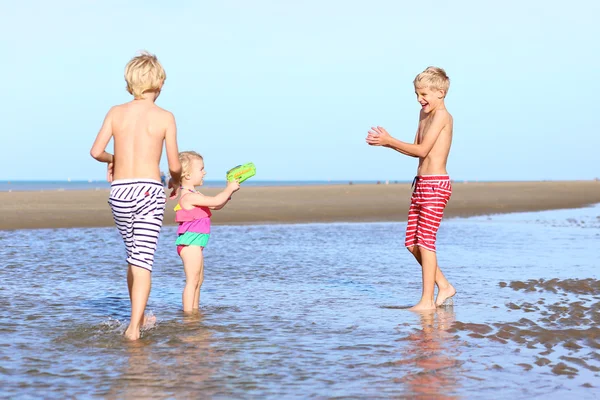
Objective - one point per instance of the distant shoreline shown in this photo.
(45, 186)
(304, 204)
(99, 185)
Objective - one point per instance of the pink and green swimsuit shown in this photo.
(194, 226)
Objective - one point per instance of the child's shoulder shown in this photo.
(117, 108)
(443, 116)
(183, 193)
(150, 107)
(164, 115)
(121, 108)
(449, 118)
(160, 115)
(161, 110)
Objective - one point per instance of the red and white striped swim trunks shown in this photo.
(427, 204)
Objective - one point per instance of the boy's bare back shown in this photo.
(438, 122)
(139, 129)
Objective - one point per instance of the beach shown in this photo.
(311, 311)
(303, 204)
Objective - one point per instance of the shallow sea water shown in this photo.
(310, 311)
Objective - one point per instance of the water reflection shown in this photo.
(153, 370)
(431, 356)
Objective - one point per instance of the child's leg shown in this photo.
(138, 210)
(413, 231)
(192, 265)
(428, 266)
(445, 289)
(431, 196)
(145, 319)
(139, 284)
(196, 303)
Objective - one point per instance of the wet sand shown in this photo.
(301, 204)
(560, 324)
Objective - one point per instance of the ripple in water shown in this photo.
(309, 311)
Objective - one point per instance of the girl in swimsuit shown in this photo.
(193, 213)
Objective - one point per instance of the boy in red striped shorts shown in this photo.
(432, 187)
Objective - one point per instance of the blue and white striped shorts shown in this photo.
(138, 208)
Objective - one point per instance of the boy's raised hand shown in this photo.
(378, 137)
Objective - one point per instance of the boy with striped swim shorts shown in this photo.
(432, 186)
(137, 198)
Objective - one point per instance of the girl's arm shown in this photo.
(200, 200)
(221, 206)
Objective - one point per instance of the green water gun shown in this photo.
(241, 172)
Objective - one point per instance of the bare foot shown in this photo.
(132, 334)
(444, 294)
(423, 306)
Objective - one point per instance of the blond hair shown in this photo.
(143, 74)
(433, 78)
(186, 158)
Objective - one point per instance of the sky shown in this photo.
(294, 86)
